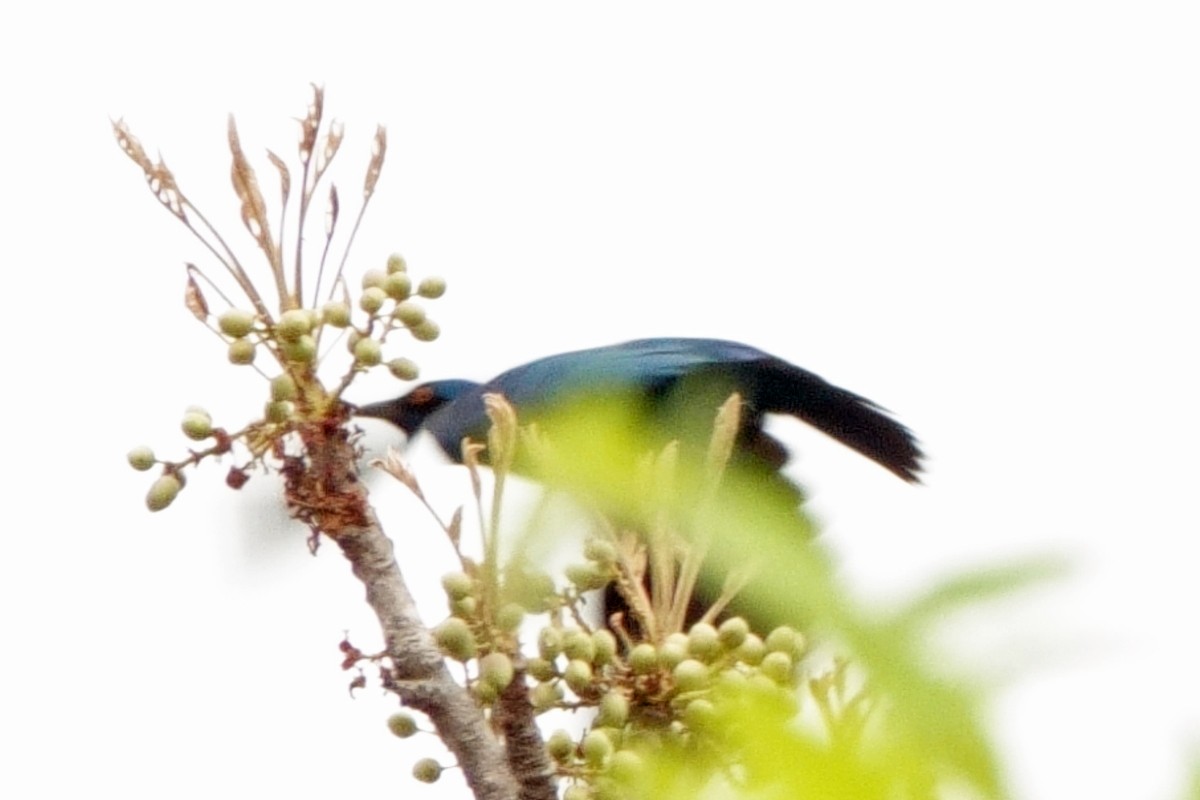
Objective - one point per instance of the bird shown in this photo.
(678, 384)
(668, 375)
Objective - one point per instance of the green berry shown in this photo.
(236, 323)
(368, 352)
(577, 791)
(587, 577)
(427, 770)
(703, 642)
(293, 324)
(700, 714)
(596, 747)
(673, 650)
(396, 263)
(614, 710)
(403, 368)
(141, 458)
(733, 632)
(278, 411)
(509, 617)
(455, 639)
(540, 669)
(283, 387)
(432, 288)
(373, 279)
(690, 675)
(643, 659)
(778, 667)
(242, 351)
(457, 585)
(578, 675)
(398, 286)
(336, 313)
(560, 745)
(197, 425)
(578, 644)
(163, 492)
(550, 643)
(785, 640)
(402, 724)
(408, 313)
(496, 669)
(372, 299)
(605, 646)
(427, 331)
(545, 696)
(751, 650)
(301, 351)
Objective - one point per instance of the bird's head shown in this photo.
(409, 412)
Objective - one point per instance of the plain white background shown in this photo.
(981, 215)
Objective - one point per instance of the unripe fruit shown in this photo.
(596, 747)
(236, 323)
(427, 770)
(197, 425)
(398, 286)
(605, 645)
(690, 675)
(509, 617)
(396, 263)
(673, 650)
(403, 368)
(408, 314)
(545, 696)
(432, 287)
(496, 669)
(141, 458)
(785, 640)
(703, 642)
(550, 643)
(455, 639)
(336, 313)
(368, 352)
(560, 745)
(427, 331)
(293, 324)
(643, 659)
(614, 710)
(778, 667)
(587, 577)
(278, 411)
(283, 387)
(402, 724)
(372, 299)
(578, 644)
(751, 650)
(457, 585)
(301, 351)
(540, 669)
(733, 632)
(578, 675)
(162, 492)
(242, 351)
(373, 278)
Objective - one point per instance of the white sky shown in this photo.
(981, 215)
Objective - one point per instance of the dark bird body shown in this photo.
(679, 384)
(678, 380)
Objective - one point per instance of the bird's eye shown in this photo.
(422, 396)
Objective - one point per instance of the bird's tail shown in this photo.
(850, 418)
